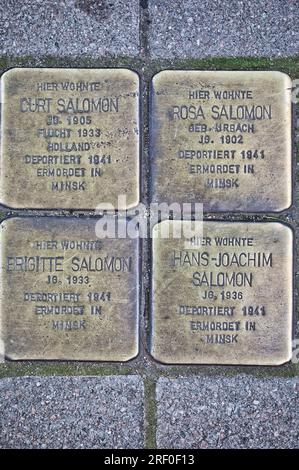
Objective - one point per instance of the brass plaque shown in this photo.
(70, 138)
(65, 293)
(224, 297)
(222, 139)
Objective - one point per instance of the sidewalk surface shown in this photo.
(145, 404)
(175, 29)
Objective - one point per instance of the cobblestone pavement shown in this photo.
(227, 28)
(71, 412)
(173, 29)
(217, 412)
(69, 28)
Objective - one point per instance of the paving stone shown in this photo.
(228, 412)
(71, 412)
(69, 28)
(223, 28)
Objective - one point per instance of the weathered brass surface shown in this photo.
(222, 139)
(225, 297)
(70, 138)
(66, 294)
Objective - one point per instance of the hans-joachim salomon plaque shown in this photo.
(224, 297)
(222, 139)
(70, 138)
(65, 293)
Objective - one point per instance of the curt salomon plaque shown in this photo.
(70, 138)
(222, 139)
(224, 297)
(65, 293)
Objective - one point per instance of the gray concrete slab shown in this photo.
(233, 412)
(69, 28)
(71, 412)
(193, 28)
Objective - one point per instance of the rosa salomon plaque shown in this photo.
(222, 139)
